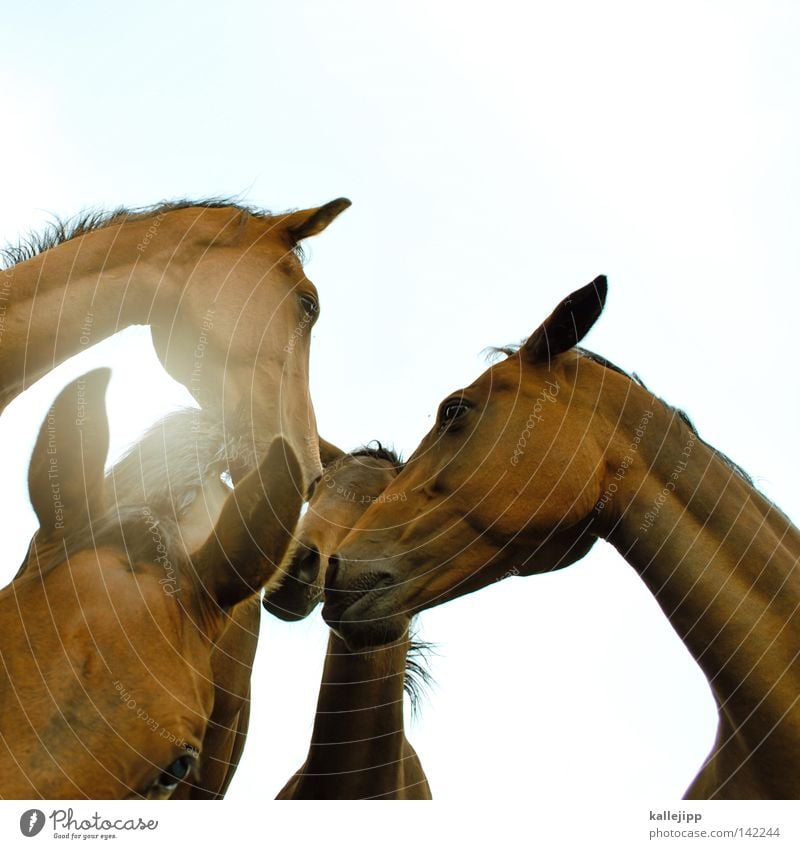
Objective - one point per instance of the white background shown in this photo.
(498, 156)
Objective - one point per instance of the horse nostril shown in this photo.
(332, 572)
(308, 566)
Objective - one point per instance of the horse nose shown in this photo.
(332, 572)
(307, 566)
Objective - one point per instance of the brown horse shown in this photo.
(358, 748)
(106, 635)
(221, 286)
(181, 467)
(552, 448)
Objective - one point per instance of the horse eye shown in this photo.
(310, 305)
(451, 410)
(175, 772)
(312, 488)
(186, 500)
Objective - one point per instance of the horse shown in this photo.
(183, 466)
(358, 746)
(552, 448)
(220, 284)
(107, 632)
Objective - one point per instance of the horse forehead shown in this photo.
(506, 377)
(106, 629)
(342, 491)
(361, 475)
(513, 379)
(367, 470)
(108, 594)
(327, 512)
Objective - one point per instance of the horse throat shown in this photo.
(358, 729)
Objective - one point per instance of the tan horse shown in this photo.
(106, 635)
(552, 448)
(220, 285)
(358, 748)
(178, 468)
(181, 467)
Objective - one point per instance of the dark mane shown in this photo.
(418, 677)
(61, 230)
(596, 358)
(379, 452)
(512, 350)
(493, 352)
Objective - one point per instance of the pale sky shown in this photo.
(498, 156)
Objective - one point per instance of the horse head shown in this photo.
(107, 632)
(347, 487)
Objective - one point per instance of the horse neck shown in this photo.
(70, 297)
(359, 738)
(720, 559)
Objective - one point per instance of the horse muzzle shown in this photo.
(300, 590)
(358, 608)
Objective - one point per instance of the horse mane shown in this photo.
(147, 485)
(145, 488)
(418, 678)
(175, 455)
(512, 350)
(61, 230)
(681, 414)
(380, 452)
(142, 535)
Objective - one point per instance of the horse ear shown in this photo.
(328, 452)
(308, 222)
(254, 529)
(65, 476)
(569, 322)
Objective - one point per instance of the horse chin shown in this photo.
(360, 636)
(290, 603)
(361, 625)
